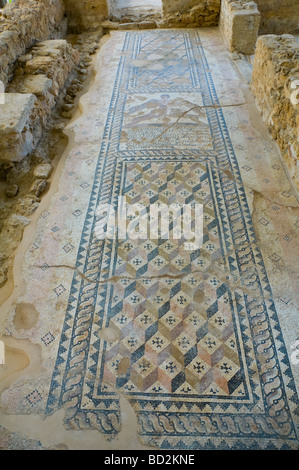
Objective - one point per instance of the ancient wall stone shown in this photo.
(24, 22)
(40, 76)
(190, 13)
(20, 128)
(171, 6)
(275, 85)
(278, 16)
(85, 14)
(204, 13)
(239, 25)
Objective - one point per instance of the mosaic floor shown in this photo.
(199, 341)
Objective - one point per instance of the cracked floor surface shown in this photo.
(147, 342)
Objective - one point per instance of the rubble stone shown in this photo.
(43, 170)
(20, 129)
(190, 13)
(278, 16)
(32, 95)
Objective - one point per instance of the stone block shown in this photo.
(110, 25)
(38, 85)
(147, 25)
(239, 25)
(23, 24)
(31, 95)
(19, 128)
(9, 48)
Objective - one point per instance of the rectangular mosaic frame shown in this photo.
(79, 349)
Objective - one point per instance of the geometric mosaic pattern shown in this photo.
(200, 357)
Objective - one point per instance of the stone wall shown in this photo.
(39, 77)
(190, 13)
(275, 85)
(85, 14)
(172, 6)
(278, 16)
(24, 22)
(239, 25)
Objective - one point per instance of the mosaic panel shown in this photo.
(200, 356)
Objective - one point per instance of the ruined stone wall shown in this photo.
(24, 22)
(191, 13)
(85, 14)
(278, 16)
(40, 75)
(171, 6)
(275, 85)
